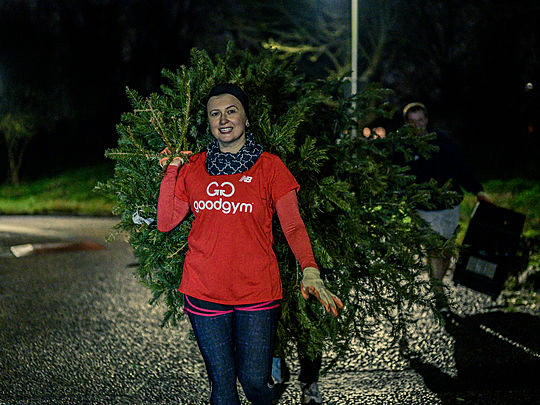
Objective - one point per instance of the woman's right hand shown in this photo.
(176, 161)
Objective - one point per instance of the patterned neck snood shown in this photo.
(218, 162)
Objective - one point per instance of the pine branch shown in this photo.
(156, 121)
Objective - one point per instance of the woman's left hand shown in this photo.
(312, 284)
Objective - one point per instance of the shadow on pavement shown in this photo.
(496, 357)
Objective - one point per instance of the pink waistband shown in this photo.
(258, 307)
(212, 313)
(263, 306)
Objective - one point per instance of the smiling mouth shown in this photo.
(225, 130)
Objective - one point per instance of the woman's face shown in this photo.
(228, 122)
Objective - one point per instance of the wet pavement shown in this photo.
(76, 328)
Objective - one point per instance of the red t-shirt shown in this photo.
(230, 258)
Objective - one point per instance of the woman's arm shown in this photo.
(298, 239)
(295, 230)
(171, 210)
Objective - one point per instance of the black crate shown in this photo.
(489, 248)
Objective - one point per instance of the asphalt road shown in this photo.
(76, 328)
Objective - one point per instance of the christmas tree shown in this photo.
(357, 202)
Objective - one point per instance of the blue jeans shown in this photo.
(237, 344)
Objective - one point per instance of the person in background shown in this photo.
(446, 163)
(231, 282)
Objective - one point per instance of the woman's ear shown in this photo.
(247, 123)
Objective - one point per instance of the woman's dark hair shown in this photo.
(233, 89)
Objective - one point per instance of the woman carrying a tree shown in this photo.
(231, 281)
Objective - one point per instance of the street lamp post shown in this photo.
(354, 54)
(354, 47)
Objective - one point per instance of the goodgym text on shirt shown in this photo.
(225, 189)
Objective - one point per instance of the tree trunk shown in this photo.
(13, 170)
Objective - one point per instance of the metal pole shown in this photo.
(354, 53)
(354, 47)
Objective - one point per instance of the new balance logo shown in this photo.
(246, 179)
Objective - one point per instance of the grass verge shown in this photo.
(71, 192)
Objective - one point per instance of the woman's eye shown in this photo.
(214, 114)
(231, 112)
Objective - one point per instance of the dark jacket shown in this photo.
(446, 163)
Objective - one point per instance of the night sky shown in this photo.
(470, 62)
